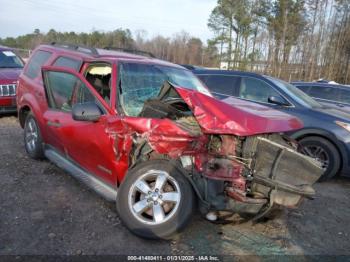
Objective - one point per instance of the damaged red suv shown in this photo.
(147, 134)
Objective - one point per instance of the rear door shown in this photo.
(85, 143)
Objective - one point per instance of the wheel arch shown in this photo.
(27, 102)
(177, 221)
(176, 163)
(22, 114)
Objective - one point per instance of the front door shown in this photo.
(84, 143)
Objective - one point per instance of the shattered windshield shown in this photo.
(140, 82)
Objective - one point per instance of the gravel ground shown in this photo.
(45, 211)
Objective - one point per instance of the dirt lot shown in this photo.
(45, 211)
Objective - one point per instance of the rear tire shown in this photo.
(32, 138)
(155, 200)
(324, 151)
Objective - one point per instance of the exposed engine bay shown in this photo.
(248, 175)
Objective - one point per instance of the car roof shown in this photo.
(105, 54)
(225, 72)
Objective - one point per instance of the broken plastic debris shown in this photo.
(211, 216)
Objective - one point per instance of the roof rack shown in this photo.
(131, 51)
(79, 48)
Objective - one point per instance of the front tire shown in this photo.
(155, 200)
(32, 138)
(325, 152)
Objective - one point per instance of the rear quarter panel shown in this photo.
(31, 93)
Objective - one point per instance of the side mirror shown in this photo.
(86, 112)
(277, 100)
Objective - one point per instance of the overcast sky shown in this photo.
(164, 17)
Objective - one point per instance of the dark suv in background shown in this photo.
(10, 67)
(326, 132)
(327, 93)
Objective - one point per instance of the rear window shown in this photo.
(68, 62)
(35, 63)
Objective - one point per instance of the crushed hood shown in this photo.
(235, 116)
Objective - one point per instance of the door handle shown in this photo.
(55, 124)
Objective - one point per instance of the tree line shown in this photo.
(181, 48)
(289, 39)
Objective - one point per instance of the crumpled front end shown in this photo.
(249, 159)
(256, 173)
(235, 166)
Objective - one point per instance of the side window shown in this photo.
(256, 90)
(344, 96)
(68, 62)
(221, 85)
(99, 76)
(65, 90)
(324, 92)
(305, 89)
(35, 63)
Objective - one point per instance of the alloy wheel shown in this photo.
(154, 197)
(31, 135)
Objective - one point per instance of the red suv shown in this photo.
(149, 135)
(10, 67)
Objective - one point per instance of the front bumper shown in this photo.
(272, 174)
(286, 172)
(8, 104)
(281, 177)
